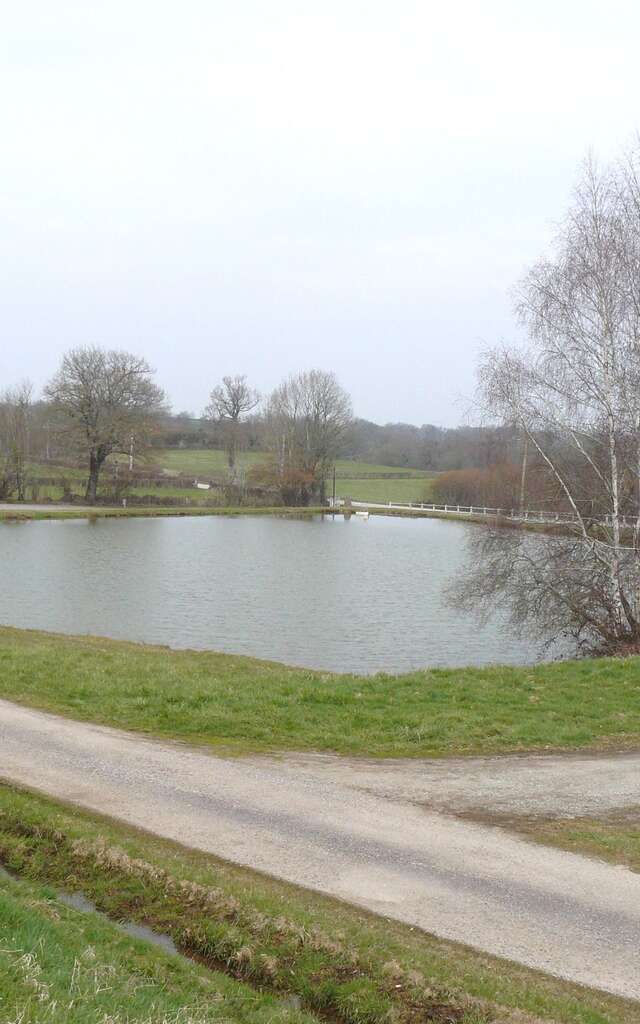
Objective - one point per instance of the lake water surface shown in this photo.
(349, 596)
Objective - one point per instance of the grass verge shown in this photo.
(342, 964)
(59, 966)
(242, 704)
(614, 837)
(20, 514)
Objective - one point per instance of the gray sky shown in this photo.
(263, 187)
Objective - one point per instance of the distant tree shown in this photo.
(229, 404)
(103, 399)
(308, 418)
(15, 423)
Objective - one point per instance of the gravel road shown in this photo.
(373, 834)
(549, 785)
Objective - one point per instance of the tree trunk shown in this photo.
(523, 475)
(91, 493)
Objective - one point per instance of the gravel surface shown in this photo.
(549, 785)
(361, 832)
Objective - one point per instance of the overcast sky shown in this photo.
(265, 187)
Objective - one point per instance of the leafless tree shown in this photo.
(103, 399)
(574, 394)
(229, 403)
(15, 422)
(308, 417)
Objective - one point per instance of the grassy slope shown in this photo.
(60, 966)
(338, 960)
(416, 489)
(212, 461)
(239, 703)
(203, 462)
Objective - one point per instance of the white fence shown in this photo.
(515, 515)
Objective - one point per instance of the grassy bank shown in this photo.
(269, 939)
(242, 704)
(18, 513)
(59, 966)
(614, 837)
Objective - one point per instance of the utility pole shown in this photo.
(333, 497)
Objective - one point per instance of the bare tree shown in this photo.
(229, 403)
(15, 423)
(574, 395)
(104, 399)
(308, 417)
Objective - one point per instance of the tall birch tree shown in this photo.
(573, 393)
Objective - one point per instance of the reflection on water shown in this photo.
(80, 902)
(350, 596)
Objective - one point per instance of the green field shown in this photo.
(416, 489)
(262, 945)
(361, 481)
(197, 462)
(242, 704)
(202, 461)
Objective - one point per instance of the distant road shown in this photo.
(368, 833)
(14, 506)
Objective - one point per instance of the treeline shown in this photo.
(400, 445)
(102, 403)
(429, 447)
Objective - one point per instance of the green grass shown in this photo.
(58, 965)
(615, 837)
(239, 703)
(203, 462)
(361, 481)
(416, 489)
(213, 461)
(51, 492)
(272, 938)
(45, 469)
(19, 514)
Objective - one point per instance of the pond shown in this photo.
(344, 595)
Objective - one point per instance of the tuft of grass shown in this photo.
(243, 704)
(338, 962)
